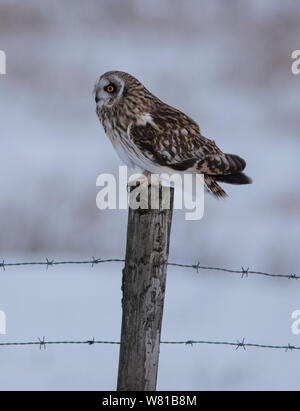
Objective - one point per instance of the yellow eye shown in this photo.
(110, 88)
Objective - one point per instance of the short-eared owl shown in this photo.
(159, 138)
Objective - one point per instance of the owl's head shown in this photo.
(109, 88)
(112, 86)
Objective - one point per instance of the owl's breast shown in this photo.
(119, 138)
(119, 134)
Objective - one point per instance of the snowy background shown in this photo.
(227, 65)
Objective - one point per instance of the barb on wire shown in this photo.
(238, 344)
(290, 348)
(241, 344)
(42, 343)
(244, 272)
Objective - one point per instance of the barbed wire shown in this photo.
(94, 261)
(42, 343)
(244, 272)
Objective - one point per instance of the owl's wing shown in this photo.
(170, 138)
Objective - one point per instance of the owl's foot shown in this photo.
(142, 180)
(145, 180)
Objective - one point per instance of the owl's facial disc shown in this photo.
(108, 90)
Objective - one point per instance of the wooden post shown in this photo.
(143, 286)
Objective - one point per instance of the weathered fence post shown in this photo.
(143, 286)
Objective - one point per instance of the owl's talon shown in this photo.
(145, 180)
(140, 181)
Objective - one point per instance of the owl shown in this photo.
(149, 134)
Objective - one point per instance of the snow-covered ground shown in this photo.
(232, 74)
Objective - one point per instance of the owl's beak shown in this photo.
(96, 98)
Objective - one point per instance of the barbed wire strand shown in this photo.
(42, 343)
(244, 272)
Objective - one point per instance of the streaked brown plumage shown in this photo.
(159, 138)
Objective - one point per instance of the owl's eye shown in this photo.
(110, 88)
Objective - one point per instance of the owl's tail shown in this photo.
(213, 187)
(235, 176)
